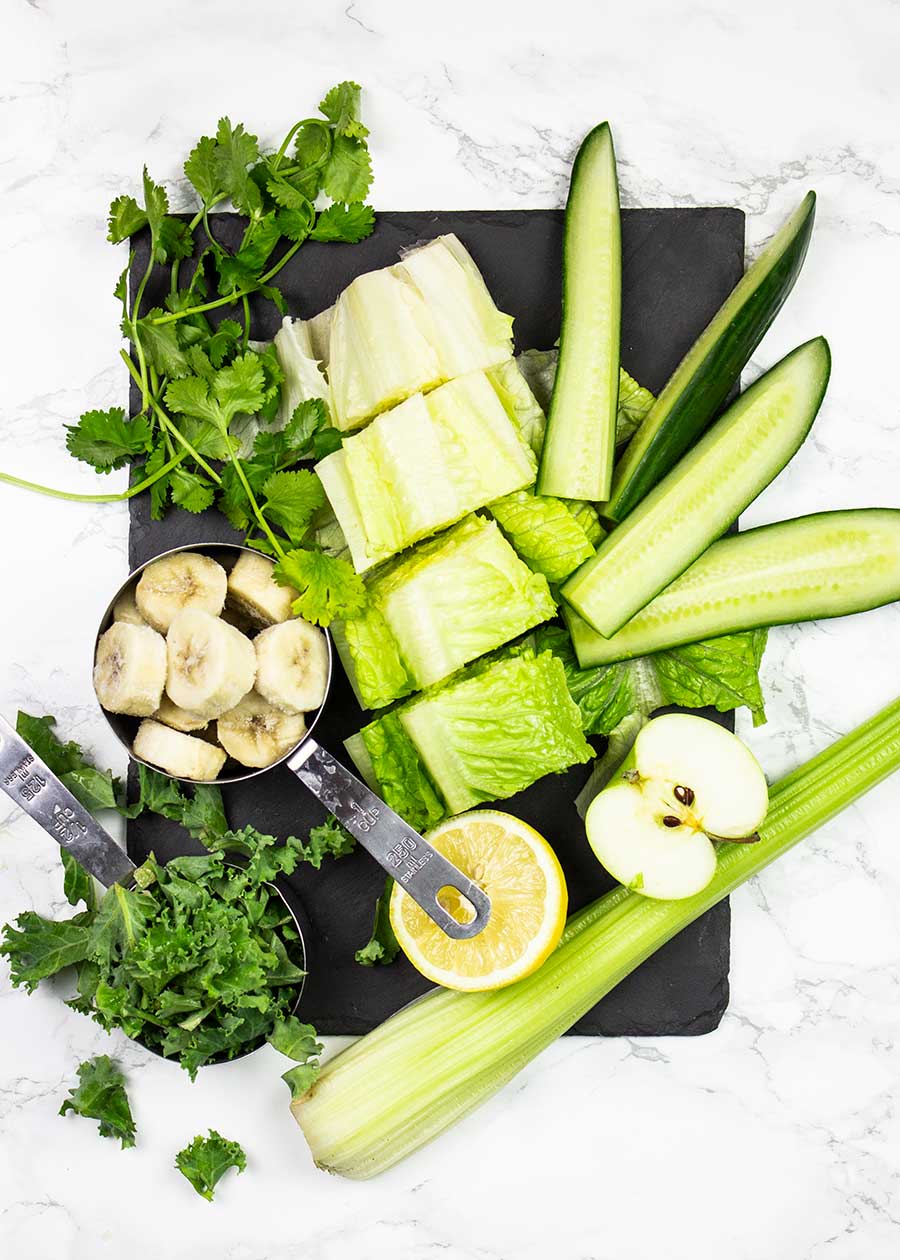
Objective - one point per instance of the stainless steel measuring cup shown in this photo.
(401, 851)
(33, 786)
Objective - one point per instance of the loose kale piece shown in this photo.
(206, 1160)
(382, 947)
(100, 1095)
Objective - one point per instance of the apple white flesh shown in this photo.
(685, 783)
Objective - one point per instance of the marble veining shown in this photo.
(779, 1135)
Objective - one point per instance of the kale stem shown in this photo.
(94, 498)
(170, 427)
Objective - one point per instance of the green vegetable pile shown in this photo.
(201, 960)
(199, 378)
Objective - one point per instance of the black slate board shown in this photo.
(678, 266)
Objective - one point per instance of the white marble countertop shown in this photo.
(779, 1135)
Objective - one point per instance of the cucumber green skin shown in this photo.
(704, 494)
(580, 442)
(699, 385)
(812, 567)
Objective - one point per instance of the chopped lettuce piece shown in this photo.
(450, 600)
(588, 518)
(398, 770)
(634, 403)
(406, 328)
(303, 378)
(423, 466)
(372, 660)
(496, 729)
(379, 349)
(546, 532)
(467, 330)
(519, 402)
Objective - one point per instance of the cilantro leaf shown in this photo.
(202, 169)
(161, 345)
(100, 1095)
(291, 500)
(159, 490)
(191, 491)
(327, 587)
(236, 150)
(344, 223)
(206, 1160)
(239, 387)
(38, 948)
(347, 174)
(340, 106)
(125, 218)
(382, 947)
(295, 223)
(106, 440)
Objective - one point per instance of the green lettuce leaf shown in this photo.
(397, 769)
(496, 729)
(544, 531)
(722, 673)
(100, 1095)
(451, 600)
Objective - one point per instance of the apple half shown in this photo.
(686, 783)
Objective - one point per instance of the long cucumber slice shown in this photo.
(579, 448)
(700, 383)
(827, 565)
(704, 493)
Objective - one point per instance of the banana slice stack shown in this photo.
(214, 662)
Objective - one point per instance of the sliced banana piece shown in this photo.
(125, 609)
(130, 669)
(255, 733)
(184, 756)
(185, 580)
(292, 665)
(253, 590)
(211, 664)
(171, 714)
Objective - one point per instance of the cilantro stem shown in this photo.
(169, 426)
(257, 511)
(232, 298)
(94, 498)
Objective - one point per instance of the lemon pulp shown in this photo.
(520, 873)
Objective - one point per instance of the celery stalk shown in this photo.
(436, 1060)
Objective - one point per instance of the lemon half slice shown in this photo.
(520, 873)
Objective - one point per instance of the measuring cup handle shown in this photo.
(412, 861)
(33, 786)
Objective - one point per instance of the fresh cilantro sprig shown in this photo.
(198, 376)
